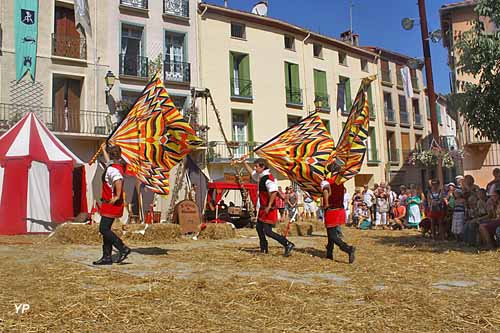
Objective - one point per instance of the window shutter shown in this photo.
(287, 75)
(348, 94)
(438, 114)
(231, 66)
(295, 77)
(244, 72)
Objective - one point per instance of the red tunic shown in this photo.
(108, 209)
(335, 213)
(264, 195)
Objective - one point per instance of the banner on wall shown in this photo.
(26, 32)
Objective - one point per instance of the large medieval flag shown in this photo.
(351, 146)
(300, 152)
(154, 137)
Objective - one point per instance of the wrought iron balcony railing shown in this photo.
(177, 71)
(218, 150)
(418, 119)
(404, 118)
(176, 8)
(322, 101)
(386, 76)
(60, 120)
(393, 155)
(69, 46)
(134, 65)
(241, 88)
(141, 4)
(390, 115)
(293, 96)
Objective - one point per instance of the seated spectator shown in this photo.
(399, 214)
(487, 229)
(365, 221)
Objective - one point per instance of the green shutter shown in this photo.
(320, 82)
(296, 97)
(231, 72)
(373, 156)
(438, 114)
(348, 94)
(370, 102)
(287, 75)
(316, 81)
(244, 74)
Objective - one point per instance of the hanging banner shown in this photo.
(26, 32)
(407, 85)
(82, 17)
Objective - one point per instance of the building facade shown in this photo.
(266, 74)
(481, 156)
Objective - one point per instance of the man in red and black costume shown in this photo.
(267, 211)
(112, 205)
(333, 199)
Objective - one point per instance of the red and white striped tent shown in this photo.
(36, 178)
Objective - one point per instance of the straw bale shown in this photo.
(218, 231)
(152, 232)
(79, 233)
(296, 229)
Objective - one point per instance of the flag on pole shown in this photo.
(407, 85)
(300, 153)
(154, 137)
(351, 146)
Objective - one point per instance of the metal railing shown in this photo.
(372, 155)
(142, 4)
(386, 76)
(393, 155)
(62, 120)
(176, 7)
(322, 101)
(404, 118)
(69, 46)
(177, 71)
(418, 119)
(134, 65)
(390, 115)
(293, 96)
(241, 88)
(218, 151)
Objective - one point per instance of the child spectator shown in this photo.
(458, 221)
(365, 221)
(382, 209)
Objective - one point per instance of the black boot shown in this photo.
(352, 252)
(264, 249)
(288, 248)
(329, 253)
(123, 254)
(103, 261)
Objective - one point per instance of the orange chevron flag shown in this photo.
(154, 137)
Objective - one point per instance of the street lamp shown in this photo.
(110, 79)
(408, 24)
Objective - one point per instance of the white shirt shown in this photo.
(271, 186)
(112, 175)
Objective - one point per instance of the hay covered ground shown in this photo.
(400, 282)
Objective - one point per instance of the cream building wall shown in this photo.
(264, 43)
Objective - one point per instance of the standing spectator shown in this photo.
(369, 200)
(280, 203)
(292, 205)
(413, 208)
(391, 195)
(319, 211)
(398, 213)
(347, 207)
(459, 181)
(437, 209)
(309, 207)
(495, 183)
(458, 221)
(382, 209)
(487, 230)
(287, 204)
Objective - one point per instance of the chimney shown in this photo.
(350, 37)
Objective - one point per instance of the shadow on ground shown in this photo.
(150, 251)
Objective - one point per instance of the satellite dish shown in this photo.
(414, 63)
(436, 36)
(407, 23)
(260, 8)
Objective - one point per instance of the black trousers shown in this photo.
(109, 238)
(334, 238)
(265, 229)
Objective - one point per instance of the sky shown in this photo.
(378, 22)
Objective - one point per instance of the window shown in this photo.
(418, 142)
(399, 76)
(318, 50)
(364, 65)
(386, 73)
(132, 61)
(438, 114)
(66, 102)
(416, 112)
(292, 84)
(128, 99)
(414, 80)
(342, 58)
(403, 110)
(66, 40)
(321, 98)
(176, 8)
(405, 145)
(370, 103)
(175, 67)
(372, 146)
(292, 120)
(241, 85)
(237, 30)
(344, 101)
(241, 132)
(392, 151)
(180, 103)
(289, 43)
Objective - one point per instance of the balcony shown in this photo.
(218, 151)
(59, 120)
(134, 65)
(472, 137)
(69, 46)
(386, 76)
(393, 155)
(176, 8)
(322, 101)
(418, 120)
(138, 4)
(404, 118)
(372, 156)
(293, 97)
(241, 89)
(179, 72)
(390, 116)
